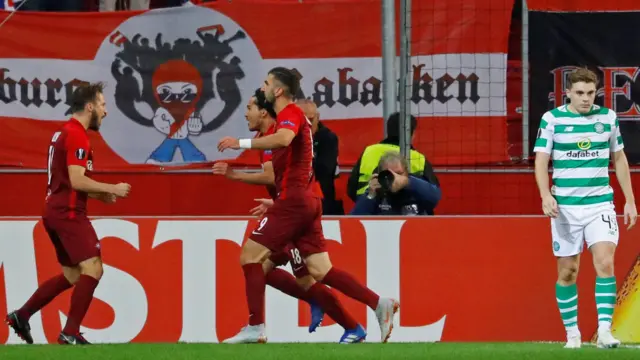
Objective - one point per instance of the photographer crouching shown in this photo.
(393, 191)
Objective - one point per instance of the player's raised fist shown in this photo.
(122, 190)
(220, 168)
(228, 142)
(109, 198)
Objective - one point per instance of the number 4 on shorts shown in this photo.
(611, 221)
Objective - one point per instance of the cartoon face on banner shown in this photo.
(177, 85)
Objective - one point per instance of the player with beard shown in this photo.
(295, 216)
(69, 185)
(261, 118)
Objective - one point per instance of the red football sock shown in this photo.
(348, 285)
(255, 284)
(285, 282)
(45, 293)
(80, 301)
(332, 306)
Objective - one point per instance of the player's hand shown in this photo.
(374, 185)
(228, 142)
(122, 190)
(630, 215)
(550, 206)
(262, 208)
(108, 198)
(221, 168)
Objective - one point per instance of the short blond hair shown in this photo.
(582, 75)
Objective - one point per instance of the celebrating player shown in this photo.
(580, 137)
(295, 216)
(261, 117)
(70, 163)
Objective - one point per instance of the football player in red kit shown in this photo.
(69, 185)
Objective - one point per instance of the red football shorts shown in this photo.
(292, 256)
(75, 240)
(292, 221)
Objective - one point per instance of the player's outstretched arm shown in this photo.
(253, 178)
(282, 138)
(621, 165)
(80, 182)
(106, 198)
(266, 177)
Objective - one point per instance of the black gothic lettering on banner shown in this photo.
(561, 41)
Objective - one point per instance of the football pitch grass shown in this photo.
(445, 351)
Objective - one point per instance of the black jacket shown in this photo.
(325, 163)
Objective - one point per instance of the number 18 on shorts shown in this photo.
(575, 226)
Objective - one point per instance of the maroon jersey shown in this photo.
(265, 157)
(69, 146)
(293, 165)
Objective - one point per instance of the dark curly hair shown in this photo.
(263, 104)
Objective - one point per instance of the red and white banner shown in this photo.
(457, 279)
(205, 194)
(224, 49)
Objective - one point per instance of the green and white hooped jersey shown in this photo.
(580, 146)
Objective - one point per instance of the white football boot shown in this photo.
(385, 312)
(606, 339)
(574, 339)
(250, 334)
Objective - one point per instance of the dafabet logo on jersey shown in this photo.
(583, 154)
(584, 145)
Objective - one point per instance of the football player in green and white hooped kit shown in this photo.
(580, 138)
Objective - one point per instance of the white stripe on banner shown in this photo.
(347, 88)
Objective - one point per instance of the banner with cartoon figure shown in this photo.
(178, 79)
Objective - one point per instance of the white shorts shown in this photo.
(578, 224)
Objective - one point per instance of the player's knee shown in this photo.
(603, 255)
(249, 258)
(267, 266)
(306, 282)
(603, 265)
(317, 273)
(568, 273)
(318, 265)
(92, 267)
(253, 253)
(72, 274)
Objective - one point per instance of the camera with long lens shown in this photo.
(385, 178)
